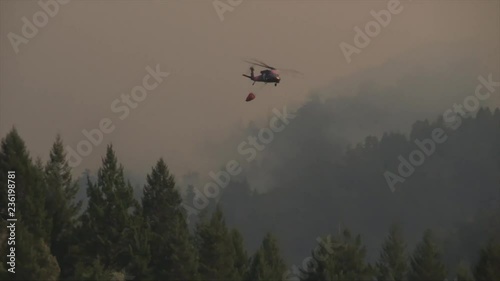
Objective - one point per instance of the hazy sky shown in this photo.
(67, 76)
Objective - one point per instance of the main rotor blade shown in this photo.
(265, 64)
(259, 63)
(290, 71)
(281, 70)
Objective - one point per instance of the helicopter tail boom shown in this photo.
(251, 76)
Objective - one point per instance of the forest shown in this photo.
(116, 235)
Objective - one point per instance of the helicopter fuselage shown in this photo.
(266, 76)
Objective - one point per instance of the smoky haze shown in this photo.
(427, 59)
(386, 98)
(91, 52)
(302, 173)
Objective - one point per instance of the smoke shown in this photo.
(297, 174)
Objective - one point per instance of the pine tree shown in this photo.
(488, 265)
(173, 253)
(34, 260)
(463, 273)
(139, 251)
(30, 186)
(95, 272)
(267, 263)
(33, 257)
(426, 261)
(393, 261)
(192, 214)
(60, 205)
(241, 256)
(215, 249)
(322, 264)
(109, 216)
(340, 260)
(350, 262)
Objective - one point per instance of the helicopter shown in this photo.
(269, 75)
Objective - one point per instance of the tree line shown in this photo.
(120, 237)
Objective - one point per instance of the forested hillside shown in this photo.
(319, 186)
(442, 222)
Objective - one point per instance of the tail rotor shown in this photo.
(251, 76)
